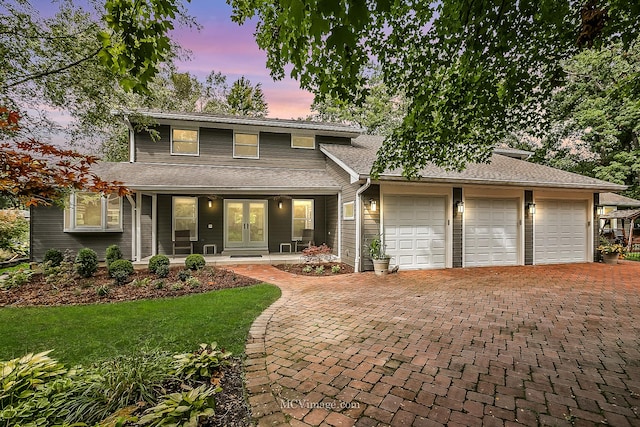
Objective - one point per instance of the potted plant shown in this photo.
(610, 251)
(378, 256)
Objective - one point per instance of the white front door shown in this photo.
(415, 231)
(490, 232)
(245, 224)
(561, 229)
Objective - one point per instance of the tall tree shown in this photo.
(596, 117)
(244, 99)
(471, 71)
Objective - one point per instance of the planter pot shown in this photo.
(610, 258)
(381, 266)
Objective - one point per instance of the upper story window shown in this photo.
(246, 145)
(93, 212)
(185, 142)
(303, 141)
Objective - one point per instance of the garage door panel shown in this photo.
(560, 231)
(491, 232)
(414, 231)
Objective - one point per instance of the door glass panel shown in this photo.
(235, 222)
(256, 221)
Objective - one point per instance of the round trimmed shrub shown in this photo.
(162, 271)
(86, 262)
(195, 262)
(54, 256)
(156, 261)
(113, 253)
(120, 270)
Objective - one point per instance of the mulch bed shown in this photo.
(37, 292)
(303, 269)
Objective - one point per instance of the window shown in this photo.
(93, 212)
(301, 141)
(246, 145)
(348, 211)
(302, 217)
(185, 142)
(185, 216)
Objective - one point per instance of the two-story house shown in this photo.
(251, 186)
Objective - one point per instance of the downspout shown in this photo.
(132, 140)
(359, 224)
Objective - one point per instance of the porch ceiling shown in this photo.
(219, 179)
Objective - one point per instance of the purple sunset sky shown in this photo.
(224, 46)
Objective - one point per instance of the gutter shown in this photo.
(359, 224)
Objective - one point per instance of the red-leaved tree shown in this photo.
(36, 173)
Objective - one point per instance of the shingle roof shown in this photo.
(613, 199)
(335, 129)
(218, 179)
(359, 157)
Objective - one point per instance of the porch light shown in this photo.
(460, 207)
(210, 203)
(532, 208)
(373, 205)
(600, 210)
(279, 204)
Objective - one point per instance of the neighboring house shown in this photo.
(248, 185)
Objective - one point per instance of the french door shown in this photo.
(245, 224)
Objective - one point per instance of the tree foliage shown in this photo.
(471, 71)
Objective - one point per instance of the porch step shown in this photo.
(245, 252)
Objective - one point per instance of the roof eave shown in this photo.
(196, 189)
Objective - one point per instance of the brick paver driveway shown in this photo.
(543, 345)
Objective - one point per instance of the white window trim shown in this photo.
(353, 207)
(197, 153)
(293, 218)
(173, 216)
(103, 228)
(257, 134)
(304, 136)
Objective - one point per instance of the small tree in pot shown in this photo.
(378, 256)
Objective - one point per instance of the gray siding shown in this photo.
(348, 226)
(371, 222)
(47, 232)
(528, 229)
(457, 229)
(216, 147)
(331, 215)
(164, 224)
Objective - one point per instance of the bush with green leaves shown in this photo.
(103, 290)
(120, 270)
(15, 279)
(201, 364)
(183, 275)
(195, 262)
(307, 269)
(156, 261)
(54, 257)
(14, 232)
(183, 409)
(60, 275)
(113, 253)
(335, 269)
(162, 271)
(320, 270)
(193, 282)
(86, 262)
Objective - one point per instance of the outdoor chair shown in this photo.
(181, 241)
(307, 238)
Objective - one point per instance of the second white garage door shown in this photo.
(560, 231)
(491, 232)
(414, 231)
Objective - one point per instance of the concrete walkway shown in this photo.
(535, 345)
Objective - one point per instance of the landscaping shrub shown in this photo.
(162, 271)
(54, 257)
(183, 275)
(14, 232)
(157, 261)
(202, 363)
(120, 270)
(320, 270)
(16, 279)
(335, 269)
(86, 262)
(186, 408)
(195, 262)
(113, 253)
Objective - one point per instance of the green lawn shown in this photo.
(24, 265)
(632, 256)
(84, 334)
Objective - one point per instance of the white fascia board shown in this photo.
(355, 177)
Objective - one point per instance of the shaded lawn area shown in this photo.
(632, 256)
(88, 333)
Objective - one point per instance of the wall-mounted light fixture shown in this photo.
(279, 204)
(460, 207)
(532, 208)
(373, 205)
(210, 203)
(600, 210)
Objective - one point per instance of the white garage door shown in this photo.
(414, 231)
(560, 231)
(491, 232)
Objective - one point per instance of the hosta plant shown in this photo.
(202, 363)
(183, 409)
